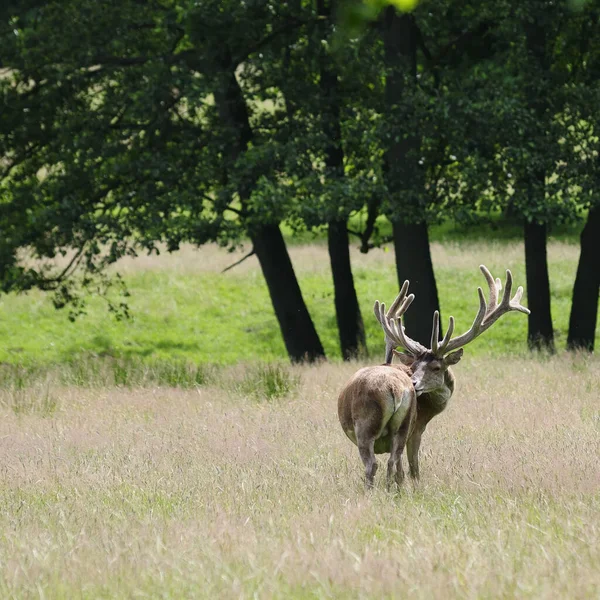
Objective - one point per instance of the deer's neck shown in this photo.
(437, 400)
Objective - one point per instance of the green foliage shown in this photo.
(27, 390)
(356, 15)
(131, 372)
(126, 128)
(268, 381)
(131, 135)
(42, 402)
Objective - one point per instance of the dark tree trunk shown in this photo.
(540, 335)
(403, 140)
(402, 172)
(373, 208)
(299, 333)
(347, 310)
(584, 308)
(413, 262)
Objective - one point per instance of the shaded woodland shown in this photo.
(131, 127)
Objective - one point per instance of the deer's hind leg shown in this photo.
(366, 447)
(395, 469)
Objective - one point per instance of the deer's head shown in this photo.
(429, 365)
(428, 371)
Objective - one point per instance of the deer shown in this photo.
(430, 374)
(377, 409)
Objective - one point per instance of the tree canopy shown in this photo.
(130, 127)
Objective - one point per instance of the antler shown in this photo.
(487, 315)
(391, 322)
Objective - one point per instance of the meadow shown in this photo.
(246, 487)
(178, 455)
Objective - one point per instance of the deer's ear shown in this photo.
(453, 358)
(405, 359)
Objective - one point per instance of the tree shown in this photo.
(540, 109)
(349, 320)
(538, 85)
(430, 61)
(329, 165)
(404, 177)
(514, 74)
(583, 123)
(586, 291)
(141, 127)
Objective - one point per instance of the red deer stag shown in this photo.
(377, 409)
(384, 408)
(431, 375)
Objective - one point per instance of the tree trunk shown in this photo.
(540, 335)
(405, 178)
(347, 311)
(299, 333)
(401, 169)
(413, 262)
(584, 308)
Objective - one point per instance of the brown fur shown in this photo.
(377, 410)
(429, 403)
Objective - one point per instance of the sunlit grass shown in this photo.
(185, 310)
(210, 492)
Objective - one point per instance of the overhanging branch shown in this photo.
(235, 264)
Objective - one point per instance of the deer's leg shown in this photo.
(414, 443)
(391, 466)
(412, 450)
(398, 443)
(366, 448)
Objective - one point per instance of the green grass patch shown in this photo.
(268, 381)
(190, 317)
(39, 400)
(88, 370)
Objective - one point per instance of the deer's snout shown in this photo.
(416, 383)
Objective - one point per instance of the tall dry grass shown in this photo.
(217, 492)
(313, 257)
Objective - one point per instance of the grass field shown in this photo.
(245, 486)
(185, 309)
(177, 455)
